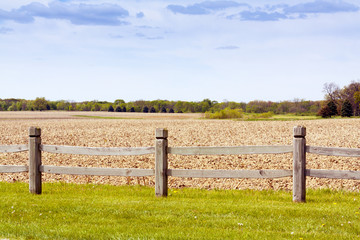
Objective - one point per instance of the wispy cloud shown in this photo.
(143, 36)
(267, 12)
(204, 7)
(140, 15)
(79, 14)
(4, 30)
(322, 7)
(259, 16)
(230, 47)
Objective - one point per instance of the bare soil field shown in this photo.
(109, 115)
(138, 130)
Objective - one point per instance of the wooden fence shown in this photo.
(162, 172)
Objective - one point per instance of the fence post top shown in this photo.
(34, 132)
(161, 133)
(299, 131)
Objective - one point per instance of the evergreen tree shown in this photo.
(333, 108)
(171, 110)
(163, 110)
(124, 109)
(346, 109)
(145, 109)
(132, 109)
(111, 108)
(118, 109)
(152, 110)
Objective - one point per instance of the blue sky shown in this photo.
(177, 50)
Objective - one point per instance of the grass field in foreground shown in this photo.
(70, 211)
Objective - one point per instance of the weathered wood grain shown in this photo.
(230, 150)
(34, 160)
(332, 151)
(204, 173)
(126, 172)
(299, 164)
(98, 151)
(336, 174)
(161, 162)
(14, 148)
(13, 169)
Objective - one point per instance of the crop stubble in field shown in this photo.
(66, 130)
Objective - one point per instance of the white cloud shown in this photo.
(79, 14)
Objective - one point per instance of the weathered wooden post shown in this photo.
(34, 160)
(299, 164)
(161, 163)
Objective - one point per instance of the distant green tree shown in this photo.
(12, 107)
(171, 110)
(119, 101)
(132, 109)
(95, 107)
(19, 106)
(111, 108)
(152, 110)
(62, 105)
(124, 109)
(346, 109)
(40, 103)
(163, 110)
(205, 105)
(145, 109)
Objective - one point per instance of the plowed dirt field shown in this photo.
(138, 130)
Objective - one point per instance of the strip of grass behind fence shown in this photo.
(70, 211)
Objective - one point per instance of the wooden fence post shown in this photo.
(161, 163)
(299, 164)
(34, 160)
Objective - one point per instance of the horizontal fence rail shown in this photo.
(97, 151)
(230, 150)
(332, 151)
(335, 174)
(162, 172)
(202, 173)
(13, 169)
(125, 172)
(14, 148)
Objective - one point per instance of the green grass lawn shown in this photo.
(278, 117)
(70, 211)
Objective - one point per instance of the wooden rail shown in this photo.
(13, 169)
(341, 152)
(202, 173)
(230, 150)
(162, 172)
(14, 148)
(95, 151)
(337, 174)
(125, 172)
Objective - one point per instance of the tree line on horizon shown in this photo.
(338, 101)
(161, 106)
